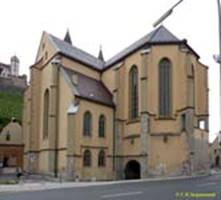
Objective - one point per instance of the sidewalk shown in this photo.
(44, 185)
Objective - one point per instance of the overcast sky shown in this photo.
(113, 23)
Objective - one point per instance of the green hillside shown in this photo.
(10, 106)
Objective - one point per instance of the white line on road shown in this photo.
(107, 196)
(206, 184)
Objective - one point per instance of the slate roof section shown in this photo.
(159, 35)
(76, 53)
(91, 89)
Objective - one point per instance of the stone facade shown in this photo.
(146, 146)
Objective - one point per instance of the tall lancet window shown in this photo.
(46, 114)
(87, 124)
(165, 84)
(101, 126)
(133, 93)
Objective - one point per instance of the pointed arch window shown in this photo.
(46, 114)
(133, 93)
(102, 124)
(165, 81)
(101, 159)
(192, 71)
(87, 158)
(87, 124)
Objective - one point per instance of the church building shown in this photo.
(142, 113)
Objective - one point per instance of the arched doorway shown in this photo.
(217, 161)
(132, 170)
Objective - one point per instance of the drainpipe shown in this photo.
(114, 137)
(57, 63)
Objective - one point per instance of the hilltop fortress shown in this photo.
(9, 76)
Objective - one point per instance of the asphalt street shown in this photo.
(193, 188)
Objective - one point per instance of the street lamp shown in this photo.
(217, 58)
(166, 14)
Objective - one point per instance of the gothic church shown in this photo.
(142, 113)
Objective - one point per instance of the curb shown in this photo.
(24, 187)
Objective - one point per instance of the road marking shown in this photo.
(107, 196)
(206, 184)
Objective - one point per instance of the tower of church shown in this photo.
(14, 67)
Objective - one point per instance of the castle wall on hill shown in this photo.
(13, 83)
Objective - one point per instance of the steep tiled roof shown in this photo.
(77, 54)
(91, 89)
(159, 35)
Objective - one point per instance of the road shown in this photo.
(156, 190)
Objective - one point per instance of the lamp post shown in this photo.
(217, 58)
(166, 14)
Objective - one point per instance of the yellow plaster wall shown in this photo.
(88, 71)
(94, 143)
(26, 118)
(62, 160)
(108, 77)
(170, 154)
(178, 77)
(65, 99)
(132, 146)
(47, 81)
(201, 90)
(96, 110)
(46, 49)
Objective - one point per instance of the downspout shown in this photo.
(114, 137)
(57, 120)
